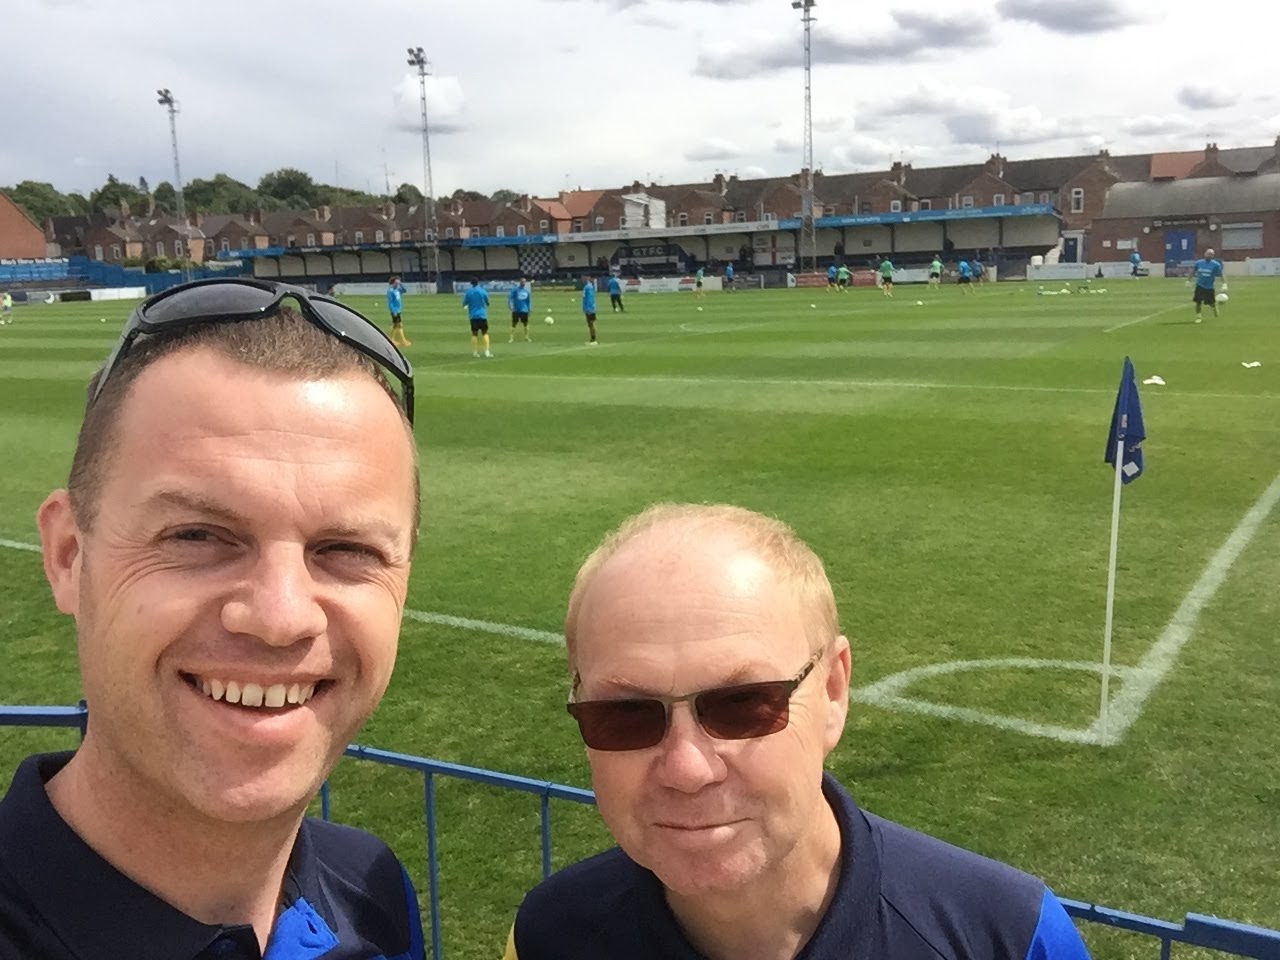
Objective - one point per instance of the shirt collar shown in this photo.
(94, 908)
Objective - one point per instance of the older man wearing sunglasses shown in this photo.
(710, 681)
(234, 544)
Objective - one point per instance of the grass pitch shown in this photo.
(943, 457)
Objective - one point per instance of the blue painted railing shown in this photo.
(1225, 936)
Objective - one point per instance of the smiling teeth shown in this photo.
(256, 695)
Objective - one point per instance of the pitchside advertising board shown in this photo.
(655, 256)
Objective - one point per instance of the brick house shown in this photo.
(64, 235)
(1174, 221)
(20, 236)
(170, 237)
(229, 232)
(115, 243)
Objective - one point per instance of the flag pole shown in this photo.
(1111, 589)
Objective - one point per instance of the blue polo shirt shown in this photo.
(589, 297)
(395, 300)
(520, 299)
(476, 300)
(347, 896)
(615, 287)
(965, 269)
(1207, 272)
(901, 896)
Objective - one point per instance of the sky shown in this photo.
(540, 96)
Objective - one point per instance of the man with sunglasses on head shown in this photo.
(234, 544)
(710, 682)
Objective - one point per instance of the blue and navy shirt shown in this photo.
(476, 300)
(589, 297)
(395, 299)
(728, 271)
(615, 287)
(520, 299)
(979, 268)
(831, 272)
(1135, 258)
(347, 896)
(901, 896)
(965, 269)
(1207, 273)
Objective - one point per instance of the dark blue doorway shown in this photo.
(1070, 249)
(1179, 246)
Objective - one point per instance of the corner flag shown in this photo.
(1126, 425)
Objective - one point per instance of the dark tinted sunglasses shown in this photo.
(238, 299)
(740, 712)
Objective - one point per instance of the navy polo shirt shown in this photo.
(348, 896)
(901, 896)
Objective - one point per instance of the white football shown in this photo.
(1222, 298)
(549, 320)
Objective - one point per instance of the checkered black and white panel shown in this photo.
(537, 261)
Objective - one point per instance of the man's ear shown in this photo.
(837, 692)
(60, 542)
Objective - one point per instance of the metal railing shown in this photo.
(1225, 936)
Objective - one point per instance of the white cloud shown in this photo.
(446, 104)
(1075, 17)
(1204, 96)
(714, 148)
(1150, 125)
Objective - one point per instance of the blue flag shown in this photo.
(1126, 425)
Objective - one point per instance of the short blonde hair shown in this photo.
(794, 562)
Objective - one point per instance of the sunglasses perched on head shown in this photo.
(743, 711)
(238, 299)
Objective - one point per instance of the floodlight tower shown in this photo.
(808, 230)
(165, 99)
(430, 224)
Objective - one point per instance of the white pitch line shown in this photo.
(422, 616)
(1149, 316)
(870, 384)
(484, 626)
(1137, 688)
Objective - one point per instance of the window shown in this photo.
(448, 233)
(577, 226)
(1044, 198)
(966, 202)
(770, 216)
(865, 207)
(599, 223)
(499, 231)
(544, 225)
(708, 219)
(97, 251)
(895, 206)
(311, 239)
(1077, 199)
(208, 248)
(622, 223)
(291, 241)
(997, 199)
(477, 231)
(159, 248)
(226, 245)
(1241, 236)
(379, 236)
(915, 205)
(926, 204)
(520, 231)
(741, 216)
(683, 220)
(359, 236)
(115, 252)
(177, 248)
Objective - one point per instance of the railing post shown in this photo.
(433, 867)
(546, 832)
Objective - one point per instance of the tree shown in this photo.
(142, 185)
(166, 199)
(468, 195)
(290, 184)
(408, 193)
(505, 196)
(108, 197)
(40, 200)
